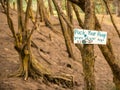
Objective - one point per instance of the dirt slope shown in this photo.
(54, 51)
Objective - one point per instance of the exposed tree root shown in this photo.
(18, 73)
(38, 49)
(36, 70)
(63, 81)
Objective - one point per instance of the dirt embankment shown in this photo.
(54, 51)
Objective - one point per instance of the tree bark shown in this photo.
(50, 7)
(111, 17)
(70, 17)
(64, 30)
(44, 14)
(20, 16)
(108, 55)
(40, 9)
(78, 15)
(87, 53)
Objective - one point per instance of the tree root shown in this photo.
(36, 70)
(64, 81)
(38, 49)
(18, 73)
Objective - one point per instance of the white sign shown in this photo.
(82, 36)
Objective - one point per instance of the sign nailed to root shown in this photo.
(82, 36)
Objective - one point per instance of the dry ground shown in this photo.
(53, 51)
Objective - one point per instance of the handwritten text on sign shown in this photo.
(89, 37)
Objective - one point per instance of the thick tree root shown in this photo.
(18, 73)
(36, 70)
(64, 81)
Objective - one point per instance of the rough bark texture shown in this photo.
(110, 58)
(88, 59)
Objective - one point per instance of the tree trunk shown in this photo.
(50, 7)
(44, 13)
(23, 44)
(29, 66)
(20, 16)
(40, 10)
(109, 56)
(70, 17)
(88, 59)
(111, 17)
(64, 30)
(118, 8)
(14, 5)
(77, 15)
